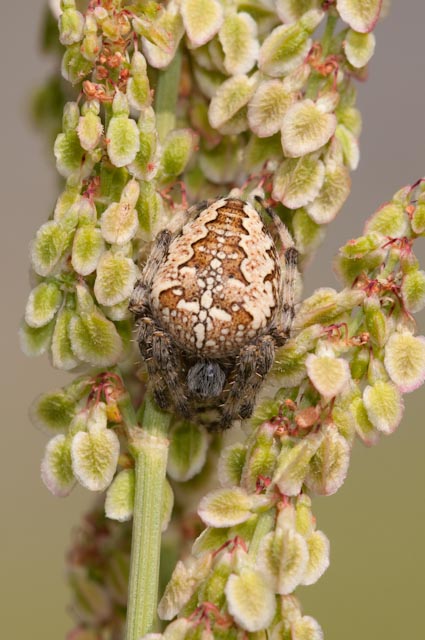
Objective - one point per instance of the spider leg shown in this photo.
(254, 363)
(286, 313)
(287, 295)
(139, 298)
(164, 366)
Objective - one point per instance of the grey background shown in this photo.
(376, 523)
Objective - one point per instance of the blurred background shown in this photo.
(374, 587)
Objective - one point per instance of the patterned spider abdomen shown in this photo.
(219, 285)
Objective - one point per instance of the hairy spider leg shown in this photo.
(287, 296)
(254, 363)
(139, 301)
(164, 366)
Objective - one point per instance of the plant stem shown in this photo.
(328, 33)
(166, 95)
(149, 447)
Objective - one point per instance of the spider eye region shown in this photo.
(206, 379)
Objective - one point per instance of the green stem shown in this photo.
(328, 33)
(166, 95)
(149, 447)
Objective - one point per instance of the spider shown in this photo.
(212, 305)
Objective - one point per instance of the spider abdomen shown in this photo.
(219, 285)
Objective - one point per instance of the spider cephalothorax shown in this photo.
(211, 306)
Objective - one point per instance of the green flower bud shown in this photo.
(209, 540)
(90, 127)
(123, 134)
(298, 181)
(138, 90)
(92, 43)
(221, 164)
(56, 467)
(306, 128)
(87, 248)
(150, 209)
(94, 339)
(202, 19)
(306, 628)
(268, 106)
(329, 465)
(260, 458)
(68, 153)
(283, 558)
(62, 355)
(146, 162)
(405, 360)
(293, 462)
(231, 463)
(167, 32)
(71, 26)
(361, 15)
(53, 411)
(332, 195)
(413, 290)
(376, 322)
(328, 374)
(119, 501)
(48, 246)
(359, 48)
(238, 37)
(384, 406)
(35, 342)
(364, 428)
(307, 234)
(287, 45)
(318, 558)
(250, 600)
(418, 217)
(359, 363)
(188, 451)
(42, 305)
(183, 583)
(350, 146)
(389, 220)
(75, 67)
(225, 507)
(321, 307)
(95, 456)
(119, 223)
(293, 10)
(177, 149)
(228, 108)
(115, 278)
